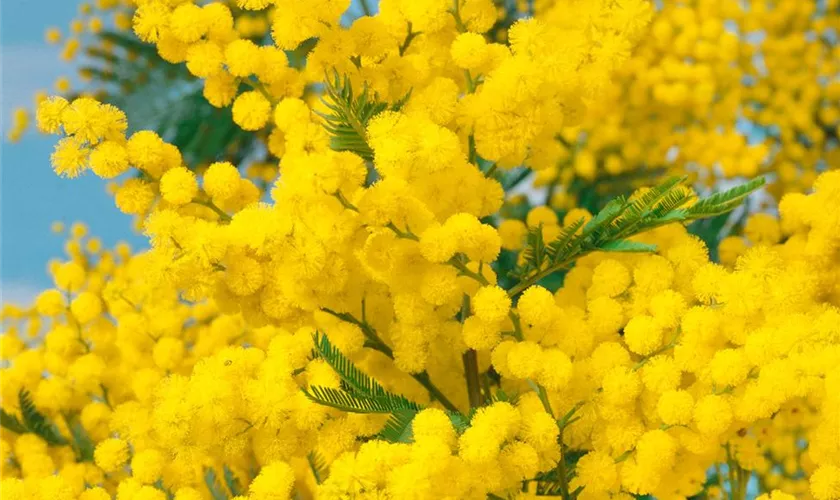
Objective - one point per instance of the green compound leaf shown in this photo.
(398, 427)
(217, 492)
(33, 421)
(620, 219)
(349, 114)
(359, 393)
(724, 201)
(351, 403)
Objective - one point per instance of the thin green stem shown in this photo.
(212, 206)
(345, 202)
(515, 181)
(407, 234)
(259, 87)
(411, 35)
(456, 14)
(492, 170)
(470, 360)
(522, 285)
(458, 263)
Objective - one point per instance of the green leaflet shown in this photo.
(349, 114)
(398, 427)
(359, 393)
(32, 421)
(628, 246)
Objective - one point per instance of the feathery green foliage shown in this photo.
(350, 114)
(398, 427)
(318, 466)
(359, 393)
(231, 481)
(217, 491)
(620, 219)
(82, 444)
(32, 421)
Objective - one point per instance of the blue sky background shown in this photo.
(31, 195)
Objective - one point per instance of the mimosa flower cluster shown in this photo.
(363, 307)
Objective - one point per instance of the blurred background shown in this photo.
(32, 197)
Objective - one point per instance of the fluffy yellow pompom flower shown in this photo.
(146, 151)
(597, 472)
(491, 304)
(147, 465)
(205, 59)
(134, 197)
(469, 51)
(251, 110)
(729, 367)
(290, 112)
(70, 157)
(274, 482)
(480, 334)
(243, 58)
(111, 454)
(188, 22)
(220, 89)
(825, 483)
(151, 19)
(86, 307)
(712, 414)
(243, 275)
(433, 425)
(643, 335)
(178, 186)
(168, 352)
(109, 159)
(50, 302)
(95, 493)
(609, 278)
(69, 276)
(556, 370)
(48, 115)
(536, 306)
(221, 180)
(675, 407)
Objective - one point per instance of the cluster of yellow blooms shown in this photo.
(341, 326)
(718, 89)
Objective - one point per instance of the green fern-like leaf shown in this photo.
(217, 492)
(349, 114)
(82, 444)
(231, 481)
(502, 396)
(36, 423)
(318, 466)
(353, 379)
(621, 219)
(11, 423)
(398, 427)
(353, 403)
(627, 246)
(723, 202)
(535, 252)
(460, 422)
